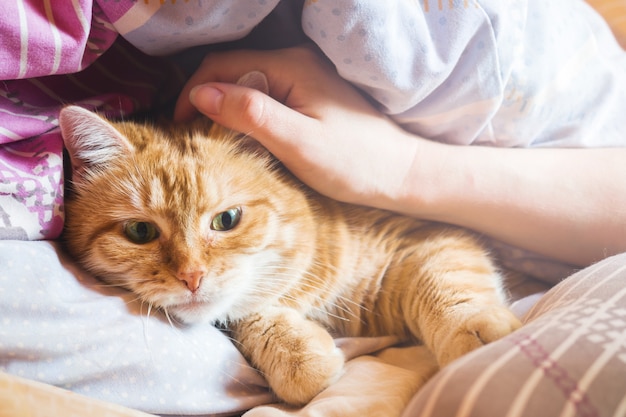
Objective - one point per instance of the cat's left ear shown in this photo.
(91, 141)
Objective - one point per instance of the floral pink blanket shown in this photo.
(48, 59)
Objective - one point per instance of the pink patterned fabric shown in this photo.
(48, 59)
(39, 40)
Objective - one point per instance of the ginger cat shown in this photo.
(203, 224)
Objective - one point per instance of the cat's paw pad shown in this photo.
(304, 373)
(478, 329)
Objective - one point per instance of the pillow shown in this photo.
(60, 326)
(568, 359)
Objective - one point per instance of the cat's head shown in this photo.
(189, 218)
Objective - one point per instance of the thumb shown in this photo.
(253, 113)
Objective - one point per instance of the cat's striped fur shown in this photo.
(295, 267)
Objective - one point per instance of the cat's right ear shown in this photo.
(91, 141)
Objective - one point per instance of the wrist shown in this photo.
(421, 186)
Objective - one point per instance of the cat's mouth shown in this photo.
(192, 311)
(197, 309)
(192, 302)
(203, 307)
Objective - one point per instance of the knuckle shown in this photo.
(253, 108)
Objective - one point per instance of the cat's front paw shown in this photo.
(309, 367)
(298, 357)
(478, 329)
(305, 375)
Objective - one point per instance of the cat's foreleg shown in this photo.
(298, 358)
(455, 303)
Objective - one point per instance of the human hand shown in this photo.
(334, 140)
(318, 125)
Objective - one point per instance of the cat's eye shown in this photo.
(226, 220)
(140, 232)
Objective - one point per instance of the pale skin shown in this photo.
(569, 204)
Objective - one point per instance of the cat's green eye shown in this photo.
(140, 232)
(226, 220)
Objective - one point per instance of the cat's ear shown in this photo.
(91, 141)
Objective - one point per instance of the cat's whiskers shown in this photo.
(324, 311)
(130, 301)
(318, 284)
(146, 335)
(192, 345)
(321, 283)
(106, 285)
(323, 301)
(326, 286)
(169, 318)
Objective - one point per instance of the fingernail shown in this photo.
(207, 99)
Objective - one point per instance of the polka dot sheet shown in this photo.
(60, 326)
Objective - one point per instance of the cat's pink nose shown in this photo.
(191, 278)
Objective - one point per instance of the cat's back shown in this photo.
(364, 227)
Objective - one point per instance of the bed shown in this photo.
(70, 345)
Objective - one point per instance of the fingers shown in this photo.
(283, 68)
(254, 113)
(225, 67)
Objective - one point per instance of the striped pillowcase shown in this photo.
(569, 359)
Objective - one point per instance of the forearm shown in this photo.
(569, 204)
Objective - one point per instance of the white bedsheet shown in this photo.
(60, 326)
